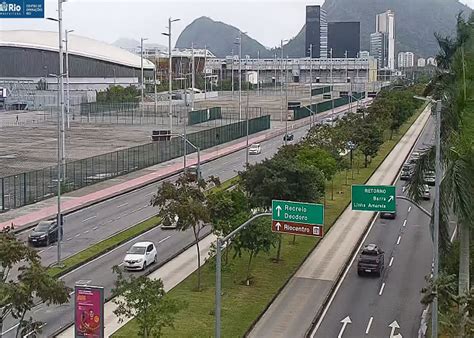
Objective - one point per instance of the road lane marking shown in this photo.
(164, 239)
(85, 232)
(122, 205)
(95, 228)
(391, 261)
(77, 235)
(41, 251)
(381, 289)
(68, 239)
(404, 223)
(409, 208)
(12, 328)
(152, 193)
(89, 218)
(120, 264)
(369, 325)
(354, 256)
(399, 239)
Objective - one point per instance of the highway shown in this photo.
(99, 221)
(386, 306)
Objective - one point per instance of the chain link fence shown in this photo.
(33, 186)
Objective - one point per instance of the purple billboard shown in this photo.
(89, 311)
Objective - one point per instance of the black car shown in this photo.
(429, 178)
(371, 260)
(44, 233)
(288, 137)
(388, 215)
(406, 174)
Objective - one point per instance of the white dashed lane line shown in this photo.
(369, 325)
(404, 223)
(122, 205)
(381, 289)
(391, 261)
(399, 239)
(409, 208)
(89, 218)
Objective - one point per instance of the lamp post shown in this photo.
(170, 85)
(205, 73)
(311, 82)
(332, 89)
(142, 80)
(66, 40)
(281, 81)
(239, 42)
(286, 101)
(192, 76)
(258, 73)
(232, 74)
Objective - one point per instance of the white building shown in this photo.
(431, 61)
(364, 54)
(421, 62)
(379, 49)
(385, 23)
(406, 59)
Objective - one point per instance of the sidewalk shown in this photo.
(81, 198)
(292, 312)
(172, 273)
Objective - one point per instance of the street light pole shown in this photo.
(332, 88)
(281, 82)
(434, 311)
(170, 71)
(311, 83)
(286, 101)
(258, 73)
(142, 72)
(240, 75)
(232, 73)
(67, 78)
(192, 76)
(154, 84)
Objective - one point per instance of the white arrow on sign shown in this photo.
(344, 322)
(394, 326)
(390, 198)
(278, 208)
(278, 226)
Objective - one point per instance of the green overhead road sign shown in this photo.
(298, 212)
(374, 198)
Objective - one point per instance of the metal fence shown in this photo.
(204, 115)
(321, 90)
(30, 187)
(320, 107)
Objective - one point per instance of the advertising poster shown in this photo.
(89, 311)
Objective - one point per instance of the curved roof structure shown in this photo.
(77, 45)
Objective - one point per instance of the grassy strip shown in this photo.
(242, 305)
(108, 244)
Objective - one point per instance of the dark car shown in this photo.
(371, 260)
(288, 137)
(406, 174)
(429, 178)
(388, 215)
(44, 233)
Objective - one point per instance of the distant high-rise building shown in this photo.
(344, 37)
(364, 54)
(379, 49)
(421, 62)
(316, 32)
(385, 23)
(431, 61)
(406, 59)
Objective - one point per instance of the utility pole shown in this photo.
(286, 102)
(281, 84)
(332, 89)
(434, 310)
(154, 83)
(275, 67)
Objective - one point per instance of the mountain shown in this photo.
(126, 43)
(416, 21)
(219, 38)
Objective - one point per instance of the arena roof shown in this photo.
(77, 45)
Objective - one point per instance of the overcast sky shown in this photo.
(107, 20)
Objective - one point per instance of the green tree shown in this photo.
(18, 295)
(228, 209)
(119, 94)
(255, 238)
(187, 200)
(144, 299)
(369, 139)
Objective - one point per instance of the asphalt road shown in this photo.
(389, 305)
(92, 224)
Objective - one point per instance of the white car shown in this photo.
(426, 192)
(255, 149)
(172, 225)
(140, 255)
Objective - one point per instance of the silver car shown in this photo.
(255, 149)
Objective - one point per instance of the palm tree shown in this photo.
(453, 85)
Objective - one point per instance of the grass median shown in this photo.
(242, 305)
(112, 242)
